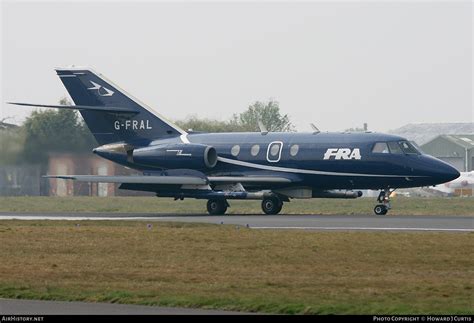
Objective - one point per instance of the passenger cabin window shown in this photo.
(254, 150)
(235, 150)
(380, 147)
(294, 150)
(274, 150)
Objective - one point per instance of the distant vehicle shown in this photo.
(268, 166)
(464, 181)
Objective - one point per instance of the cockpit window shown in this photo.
(418, 148)
(408, 148)
(380, 147)
(395, 148)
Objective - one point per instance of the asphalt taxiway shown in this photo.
(298, 222)
(34, 307)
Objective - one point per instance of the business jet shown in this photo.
(273, 167)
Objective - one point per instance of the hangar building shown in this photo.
(457, 150)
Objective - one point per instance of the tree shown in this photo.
(207, 125)
(12, 140)
(268, 113)
(55, 131)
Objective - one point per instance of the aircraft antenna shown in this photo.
(263, 129)
(315, 129)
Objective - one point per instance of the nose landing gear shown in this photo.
(381, 209)
(384, 200)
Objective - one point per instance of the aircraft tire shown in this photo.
(216, 207)
(380, 209)
(272, 205)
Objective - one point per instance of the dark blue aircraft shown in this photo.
(270, 166)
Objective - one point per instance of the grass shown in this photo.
(401, 205)
(234, 268)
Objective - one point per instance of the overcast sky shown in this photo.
(336, 64)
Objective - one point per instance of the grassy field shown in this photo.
(228, 267)
(401, 205)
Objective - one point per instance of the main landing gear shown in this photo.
(217, 207)
(272, 205)
(384, 200)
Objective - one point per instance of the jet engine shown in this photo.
(189, 156)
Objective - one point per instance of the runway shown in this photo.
(33, 307)
(294, 222)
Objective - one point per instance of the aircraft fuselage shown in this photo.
(319, 161)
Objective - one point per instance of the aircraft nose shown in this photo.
(446, 173)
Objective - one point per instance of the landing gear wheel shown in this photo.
(272, 205)
(384, 199)
(216, 207)
(380, 209)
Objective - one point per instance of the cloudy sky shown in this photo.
(336, 64)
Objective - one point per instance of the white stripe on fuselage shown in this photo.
(301, 171)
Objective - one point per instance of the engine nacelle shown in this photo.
(189, 156)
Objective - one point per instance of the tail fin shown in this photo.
(88, 88)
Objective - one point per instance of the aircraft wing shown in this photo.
(164, 180)
(173, 180)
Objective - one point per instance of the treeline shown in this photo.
(267, 112)
(63, 130)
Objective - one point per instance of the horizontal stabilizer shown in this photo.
(80, 107)
(163, 180)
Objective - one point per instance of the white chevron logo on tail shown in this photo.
(98, 87)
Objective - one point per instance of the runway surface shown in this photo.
(29, 307)
(300, 222)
